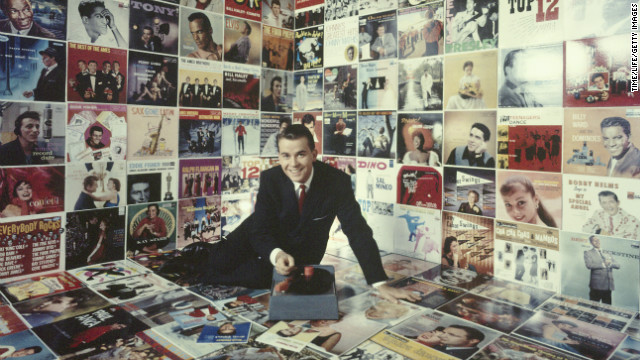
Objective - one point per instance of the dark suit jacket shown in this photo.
(36, 30)
(276, 223)
(52, 86)
(155, 44)
(217, 96)
(102, 83)
(186, 100)
(11, 154)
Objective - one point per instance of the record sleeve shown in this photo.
(309, 96)
(37, 286)
(49, 146)
(231, 121)
(415, 234)
(94, 74)
(309, 45)
(154, 27)
(241, 86)
(200, 132)
(30, 246)
(94, 236)
(476, 186)
(420, 28)
(152, 79)
(376, 134)
(471, 26)
(111, 33)
(96, 132)
(200, 83)
(48, 19)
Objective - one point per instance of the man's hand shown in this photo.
(284, 263)
(392, 294)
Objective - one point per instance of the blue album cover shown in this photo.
(226, 332)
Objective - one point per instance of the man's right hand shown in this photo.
(284, 263)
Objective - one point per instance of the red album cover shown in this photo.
(420, 186)
(30, 246)
(95, 74)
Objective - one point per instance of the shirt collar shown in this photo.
(20, 32)
(51, 67)
(307, 184)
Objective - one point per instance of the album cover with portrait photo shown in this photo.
(42, 18)
(153, 27)
(103, 23)
(96, 133)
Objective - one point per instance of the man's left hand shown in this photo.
(393, 295)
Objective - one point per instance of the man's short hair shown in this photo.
(284, 119)
(82, 61)
(616, 121)
(474, 192)
(93, 61)
(591, 238)
(36, 349)
(95, 128)
(275, 78)
(27, 114)
(116, 62)
(275, 2)
(472, 333)
(508, 60)
(467, 63)
(608, 193)
(106, 62)
(148, 28)
(205, 20)
(308, 119)
(596, 75)
(89, 180)
(295, 132)
(246, 23)
(85, 8)
(486, 133)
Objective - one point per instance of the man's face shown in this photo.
(595, 242)
(201, 36)
(188, 79)
(599, 82)
(614, 140)
(20, 14)
(350, 54)
(277, 88)
(140, 192)
(96, 137)
(97, 21)
(106, 67)
(310, 126)
(296, 159)
(93, 67)
(116, 67)
(59, 304)
(245, 29)
(514, 72)
(30, 129)
(206, 81)
(227, 328)
(48, 60)
(302, 80)
(381, 31)
(476, 139)
(454, 337)
(609, 204)
(291, 331)
(82, 66)
(146, 35)
(215, 82)
(470, 5)
(197, 81)
(276, 10)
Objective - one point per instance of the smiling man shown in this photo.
(294, 211)
(20, 19)
(625, 158)
(99, 25)
(475, 153)
(611, 220)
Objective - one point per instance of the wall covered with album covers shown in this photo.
(506, 127)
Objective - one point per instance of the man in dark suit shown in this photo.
(51, 83)
(20, 19)
(186, 92)
(601, 266)
(93, 86)
(217, 94)
(207, 93)
(295, 208)
(148, 41)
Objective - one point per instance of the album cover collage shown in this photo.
(131, 129)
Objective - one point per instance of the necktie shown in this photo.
(303, 194)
